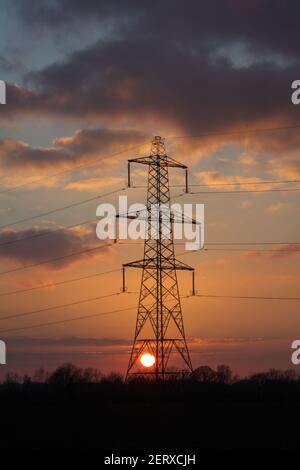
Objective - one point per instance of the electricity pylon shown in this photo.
(159, 301)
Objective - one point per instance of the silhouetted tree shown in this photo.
(66, 375)
(289, 375)
(224, 374)
(11, 379)
(205, 374)
(91, 375)
(26, 379)
(114, 378)
(41, 375)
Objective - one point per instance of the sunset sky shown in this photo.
(89, 84)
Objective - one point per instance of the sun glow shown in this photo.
(147, 360)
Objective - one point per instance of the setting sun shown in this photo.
(147, 360)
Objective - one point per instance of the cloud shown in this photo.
(229, 182)
(226, 341)
(207, 67)
(94, 183)
(59, 243)
(31, 283)
(246, 204)
(286, 250)
(252, 27)
(214, 66)
(286, 169)
(280, 251)
(216, 224)
(68, 341)
(102, 341)
(83, 146)
(13, 63)
(5, 210)
(274, 208)
(105, 82)
(17, 154)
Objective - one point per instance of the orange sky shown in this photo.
(94, 98)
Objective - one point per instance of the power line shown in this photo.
(82, 165)
(52, 211)
(231, 249)
(86, 222)
(59, 283)
(253, 243)
(37, 235)
(89, 276)
(253, 250)
(93, 162)
(238, 183)
(56, 307)
(255, 297)
(48, 232)
(50, 260)
(222, 243)
(244, 191)
(67, 320)
(238, 132)
(242, 183)
(68, 227)
(78, 253)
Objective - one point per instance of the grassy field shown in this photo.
(149, 426)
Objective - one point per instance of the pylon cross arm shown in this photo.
(152, 264)
(153, 160)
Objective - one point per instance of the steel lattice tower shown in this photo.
(159, 301)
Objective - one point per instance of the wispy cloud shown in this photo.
(82, 147)
(59, 243)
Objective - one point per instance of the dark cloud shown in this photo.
(123, 81)
(280, 251)
(56, 14)
(10, 64)
(267, 24)
(88, 341)
(68, 341)
(286, 250)
(57, 244)
(83, 145)
(212, 65)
